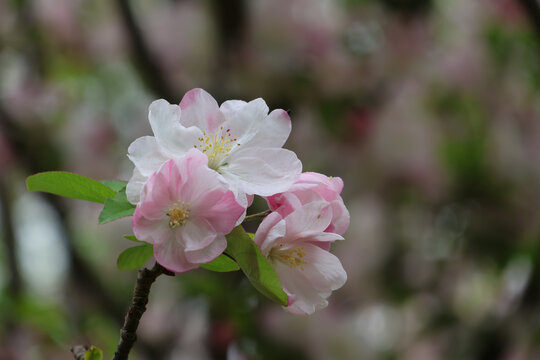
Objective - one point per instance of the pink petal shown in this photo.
(310, 218)
(196, 234)
(149, 230)
(223, 213)
(171, 256)
(271, 229)
(209, 253)
(200, 109)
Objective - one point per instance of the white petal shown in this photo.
(341, 217)
(274, 130)
(271, 229)
(311, 218)
(313, 282)
(146, 154)
(200, 109)
(262, 171)
(174, 139)
(244, 120)
(134, 186)
(324, 270)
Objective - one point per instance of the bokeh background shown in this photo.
(428, 109)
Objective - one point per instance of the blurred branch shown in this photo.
(78, 351)
(33, 46)
(532, 9)
(128, 334)
(14, 284)
(35, 159)
(231, 22)
(148, 68)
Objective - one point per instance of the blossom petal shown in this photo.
(274, 130)
(340, 218)
(200, 109)
(209, 253)
(223, 213)
(270, 229)
(146, 154)
(173, 138)
(262, 171)
(243, 119)
(196, 234)
(171, 256)
(311, 218)
(313, 282)
(149, 230)
(134, 186)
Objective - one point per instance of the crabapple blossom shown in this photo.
(185, 210)
(310, 187)
(242, 141)
(292, 244)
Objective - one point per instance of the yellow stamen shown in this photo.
(292, 257)
(178, 214)
(217, 146)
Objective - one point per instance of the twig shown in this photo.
(78, 351)
(14, 284)
(128, 334)
(256, 216)
(532, 9)
(151, 73)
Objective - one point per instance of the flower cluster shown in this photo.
(194, 179)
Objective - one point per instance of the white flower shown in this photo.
(296, 246)
(241, 140)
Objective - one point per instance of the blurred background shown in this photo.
(428, 110)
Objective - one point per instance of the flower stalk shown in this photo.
(128, 333)
(257, 216)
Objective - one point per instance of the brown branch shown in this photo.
(149, 69)
(128, 334)
(78, 351)
(532, 9)
(14, 284)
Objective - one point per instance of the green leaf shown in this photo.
(253, 263)
(115, 184)
(222, 263)
(116, 208)
(69, 185)
(133, 238)
(134, 257)
(94, 353)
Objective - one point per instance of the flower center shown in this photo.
(178, 214)
(216, 146)
(293, 257)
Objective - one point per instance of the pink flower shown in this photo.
(185, 210)
(295, 246)
(243, 143)
(311, 187)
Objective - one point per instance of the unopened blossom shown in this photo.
(185, 210)
(295, 245)
(242, 141)
(311, 187)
